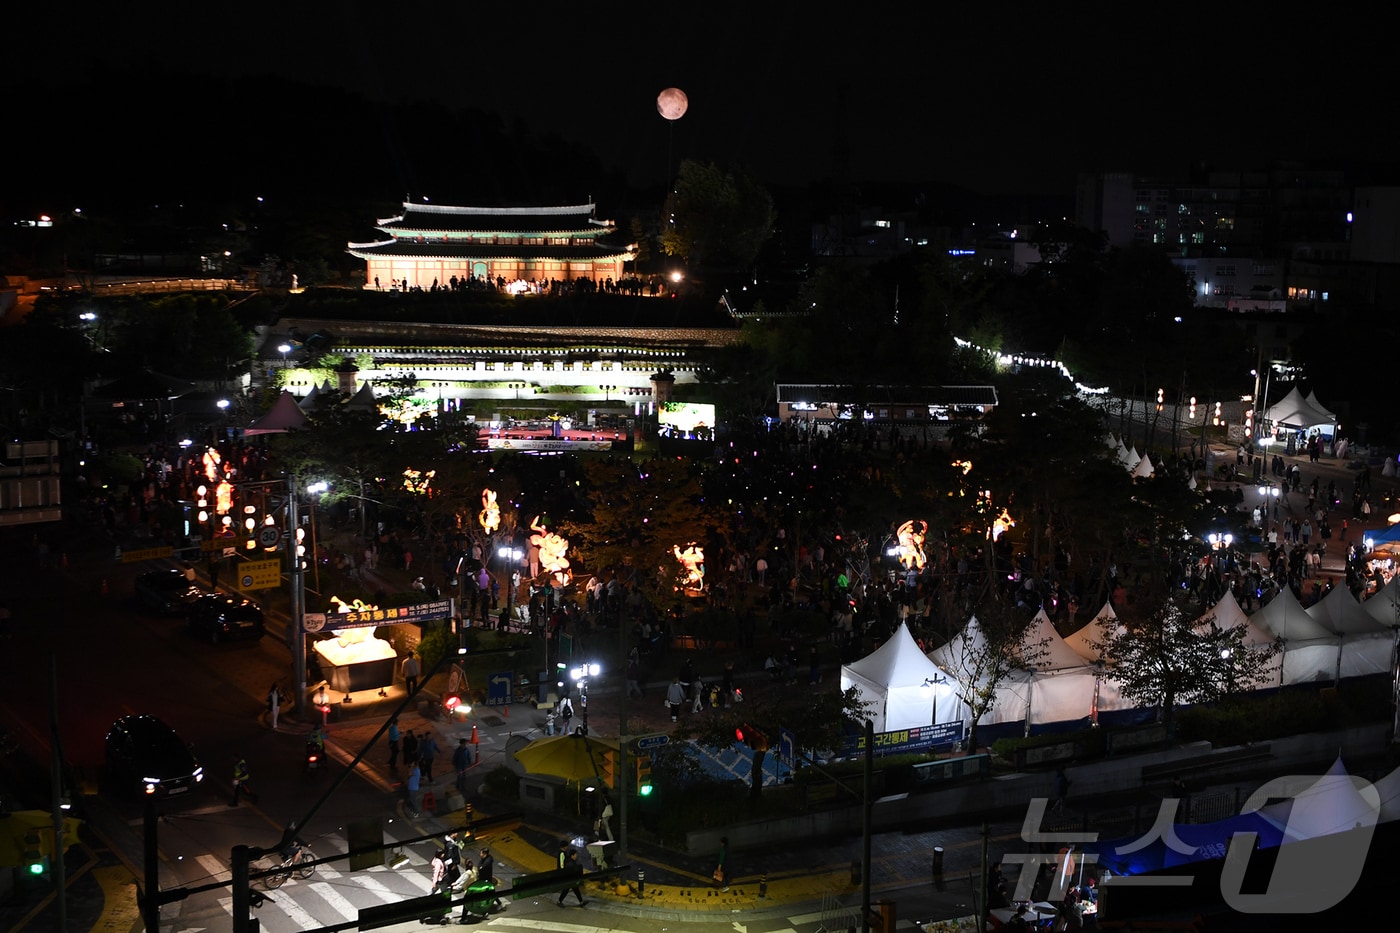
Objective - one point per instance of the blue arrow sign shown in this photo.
(648, 742)
(787, 747)
(498, 688)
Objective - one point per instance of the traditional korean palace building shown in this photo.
(430, 243)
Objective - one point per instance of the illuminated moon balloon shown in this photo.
(672, 103)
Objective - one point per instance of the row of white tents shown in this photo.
(905, 688)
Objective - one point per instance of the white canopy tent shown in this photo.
(1297, 411)
(959, 658)
(1228, 615)
(1063, 684)
(1082, 642)
(1310, 649)
(1366, 645)
(902, 687)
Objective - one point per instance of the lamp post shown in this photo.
(580, 675)
(284, 349)
(511, 556)
(1265, 493)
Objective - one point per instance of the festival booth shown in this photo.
(959, 657)
(902, 688)
(1064, 687)
(1366, 645)
(283, 416)
(1301, 413)
(1228, 615)
(1310, 649)
(1384, 606)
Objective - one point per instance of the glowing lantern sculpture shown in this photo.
(552, 547)
(911, 537)
(211, 464)
(1000, 524)
(223, 497)
(692, 561)
(490, 515)
(418, 482)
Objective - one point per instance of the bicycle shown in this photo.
(299, 863)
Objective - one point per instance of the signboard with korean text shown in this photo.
(919, 738)
(394, 615)
(260, 574)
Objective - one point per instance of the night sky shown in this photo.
(999, 98)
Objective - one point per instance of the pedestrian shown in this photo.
(675, 696)
(274, 704)
(566, 713)
(1061, 789)
(394, 737)
(412, 668)
(427, 752)
(412, 788)
(549, 723)
(721, 872)
(461, 761)
(568, 861)
(439, 866)
(410, 749)
(634, 673)
(240, 781)
(407, 560)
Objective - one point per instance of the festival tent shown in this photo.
(1309, 648)
(1331, 804)
(1381, 606)
(1228, 615)
(312, 399)
(1082, 641)
(1124, 457)
(960, 656)
(1296, 411)
(364, 399)
(1143, 470)
(283, 416)
(1133, 459)
(1311, 399)
(1365, 643)
(1063, 685)
(902, 687)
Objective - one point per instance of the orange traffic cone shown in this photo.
(474, 739)
(507, 708)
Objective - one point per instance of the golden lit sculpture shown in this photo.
(692, 561)
(223, 497)
(211, 464)
(418, 482)
(1001, 523)
(552, 550)
(490, 516)
(911, 544)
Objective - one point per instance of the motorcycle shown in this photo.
(315, 756)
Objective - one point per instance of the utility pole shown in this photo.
(865, 825)
(621, 791)
(59, 869)
(296, 630)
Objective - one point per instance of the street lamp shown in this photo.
(511, 556)
(1265, 493)
(284, 349)
(579, 675)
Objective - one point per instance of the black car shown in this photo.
(145, 755)
(168, 592)
(218, 616)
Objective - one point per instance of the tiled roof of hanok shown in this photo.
(463, 249)
(442, 217)
(886, 394)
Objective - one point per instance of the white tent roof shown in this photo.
(1143, 469)
(1294, 409)
(1229, 615)
(1381, 606)
(896, 663)
(1081, 642)
(1285, 617)
(1312, 400)
(1057, 656)
(1124, 457)
(1341, 613)
(1332, 804)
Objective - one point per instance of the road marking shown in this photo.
(376, 887)
(525, 923)
(214, 867)
(335, 899)
(282, 900)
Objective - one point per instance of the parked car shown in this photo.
(219, 616)
(168, 592)
(145, 756)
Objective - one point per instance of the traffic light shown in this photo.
(35, 849)
(644, 786)
(607, 767)
(747, 735)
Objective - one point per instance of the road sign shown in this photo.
(787, 747)
(269, 535)
(498, 688)
(150, 553)
(260, 574)
(648, 742)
